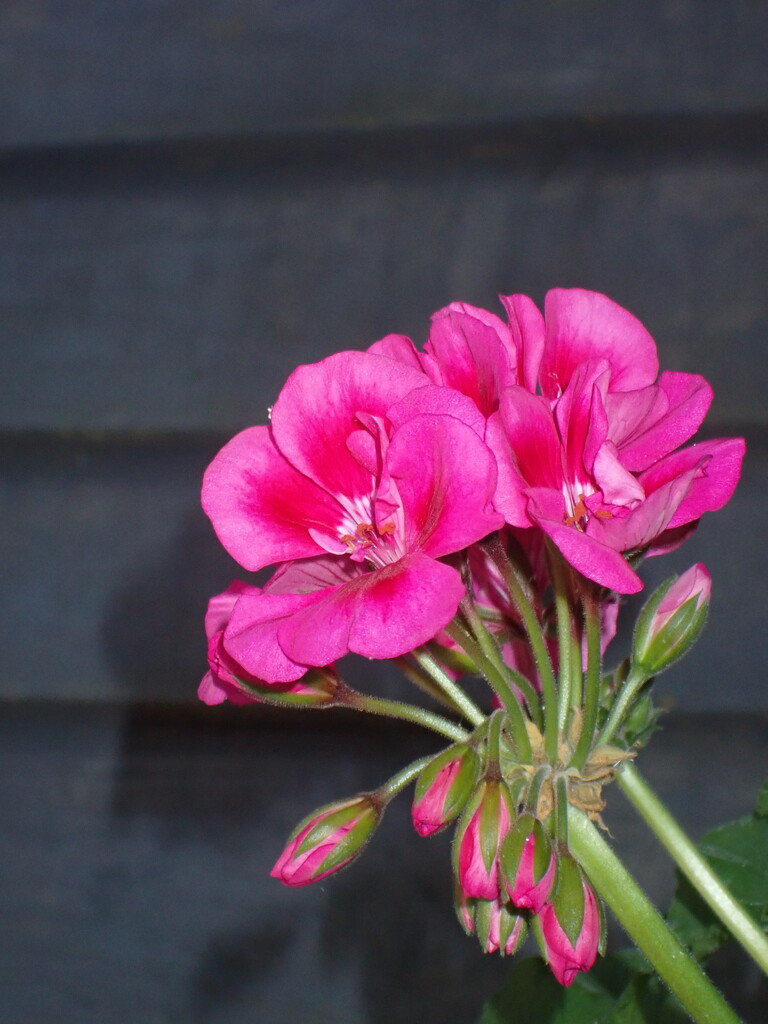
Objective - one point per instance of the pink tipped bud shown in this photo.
(570, 925)
(443, 788)
(479, 836)
(326, 840)
(528, 864)
(497, 925)
(672, 619)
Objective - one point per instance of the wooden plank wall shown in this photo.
(194, 200)
(196, 197)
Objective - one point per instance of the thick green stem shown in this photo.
(406, 712)
(645, 926)
(694, 866)
(592, 681)
(453, 692)
(516, 584)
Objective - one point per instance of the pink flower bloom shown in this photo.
(592, 460)
(529, 864)
(367, 494)
(327, 840)
(571, 926)
(478, 841)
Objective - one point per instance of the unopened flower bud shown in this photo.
(497, 925)
(528, 864)
(479, 836)
(671, 621)
(326, 840)
(570, 925)
(443, 788)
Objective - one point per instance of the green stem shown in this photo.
(406, 712)
(453, 692)
(629, 690)
(516, 584)
(645, 925)
(569, 684)
(401, 779)
(421, 678)
(592, 681)
(490, 650)
(693, 865)
(500, 686)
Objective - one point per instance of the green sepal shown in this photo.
(569, 898)
(463, 783)
(322, 692)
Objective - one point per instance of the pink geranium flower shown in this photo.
(592, 460)
(357, 494)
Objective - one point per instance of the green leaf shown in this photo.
(533, 996)
(738, 853)
(646, 1001)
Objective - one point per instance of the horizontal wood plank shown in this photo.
(109, 563)
(132, 69)
(174, 288)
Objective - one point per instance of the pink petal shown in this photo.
(510, 499)
(398, 347)
(381, 614)
(646, 425)
(439, 401)
(532, 436)
(446, 477)
(260, 506)
(474, 351)
(526, 325)
(317, 411)
(719, 467)
(593, 559)
(584, 325)
(252, 635)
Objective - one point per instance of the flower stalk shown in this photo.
(645, 926)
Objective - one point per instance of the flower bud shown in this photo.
(499, 928)
(443, 788)
(570, 925)
(326, 840)
(528, 864)
(479, 836)
(671, 621)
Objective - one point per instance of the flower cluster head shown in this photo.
(474, 507)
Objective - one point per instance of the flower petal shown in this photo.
(584, 325)
(526, 325)
(445, 476)
(317, 411)
(719, 468)
(252, 635)
(260, 506)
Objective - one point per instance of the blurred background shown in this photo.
(194, 198)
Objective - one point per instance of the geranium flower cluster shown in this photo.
(477, 506)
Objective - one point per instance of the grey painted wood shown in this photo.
(136, 850)
(130, 69)
(109, 563)
(176, 288)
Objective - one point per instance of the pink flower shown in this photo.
(528, 863)
(360, 494)
(478, 841)
(571, 925)
(327, 840)
(592, 460)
